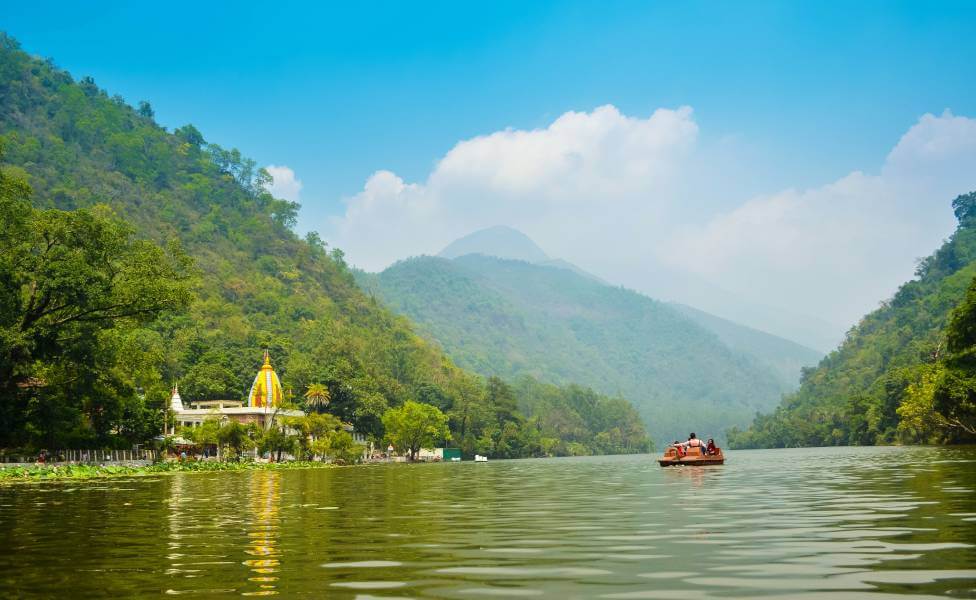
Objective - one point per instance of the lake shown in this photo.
(807, 523)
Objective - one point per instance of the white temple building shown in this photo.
(263, 404)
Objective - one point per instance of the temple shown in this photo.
(264, 401)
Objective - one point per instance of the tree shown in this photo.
(206, 433)
(414, 426)
(276, 441)
(964, 206)
(66, 279)
(954, 396)
(317, 396)
(238, 437)
(146, 110)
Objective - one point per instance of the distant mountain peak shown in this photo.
(500, 241)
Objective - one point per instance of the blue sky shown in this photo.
(337, 92)
(801, 112)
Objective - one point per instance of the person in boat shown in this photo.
(679, 448)
(710, 447)
(694, 442)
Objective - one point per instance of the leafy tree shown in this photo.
(238, 437)
(276, 441)
(206, 433)
(414, 426)
(145, 109)
(317, 396)
(954, 394)
(69, 280)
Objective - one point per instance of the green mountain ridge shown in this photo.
(862, 392)
(785, 357)
(259, 286)
(511, 317)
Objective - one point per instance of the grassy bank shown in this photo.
(76, 472)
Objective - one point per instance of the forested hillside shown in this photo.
(785, 358)
(511, 318)
(70, 147)
(894, 378)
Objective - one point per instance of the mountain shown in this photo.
(258, 286)
(512, 317)
(500, 241)
(882, 384)
(782, 356)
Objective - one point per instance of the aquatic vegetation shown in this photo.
(58, 472)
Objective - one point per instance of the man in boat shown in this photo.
(694, 442)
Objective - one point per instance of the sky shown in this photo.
(783, 164)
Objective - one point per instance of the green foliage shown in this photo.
(237, 437)
(889, 380)
(414, 426)
(510, 318)
(260, 285)
(76, 289)
(51, 473)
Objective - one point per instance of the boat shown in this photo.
(693, 457)
(480, 458)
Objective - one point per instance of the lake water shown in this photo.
(838, 522)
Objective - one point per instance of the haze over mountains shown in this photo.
(499, 305)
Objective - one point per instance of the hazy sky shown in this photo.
(797, 156)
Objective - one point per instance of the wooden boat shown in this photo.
(694, 457)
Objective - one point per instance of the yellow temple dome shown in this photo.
(266, 390)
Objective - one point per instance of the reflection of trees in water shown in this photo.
(264, 502)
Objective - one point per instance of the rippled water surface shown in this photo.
(841, 522)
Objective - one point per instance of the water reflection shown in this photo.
(861, 522)
(264, 501)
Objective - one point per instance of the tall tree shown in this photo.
(414, 426)
(68, 279)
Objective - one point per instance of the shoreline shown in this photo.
(81, 472)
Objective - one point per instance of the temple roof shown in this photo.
(266, 390)
(175, 401)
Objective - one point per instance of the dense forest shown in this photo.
(123, 213)
(509, 318)
(904, 373)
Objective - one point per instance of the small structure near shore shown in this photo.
(263, 404)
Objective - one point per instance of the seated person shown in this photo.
(710, 447)
(694, 442)
(679, 449)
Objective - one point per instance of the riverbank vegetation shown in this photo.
(905, 374)
(149, 257)
(38, 473)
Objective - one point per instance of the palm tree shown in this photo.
(317, 396)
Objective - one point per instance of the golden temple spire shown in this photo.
(266, 390)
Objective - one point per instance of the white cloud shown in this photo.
(285, 184)
(641, 202)
(573, 175)
(840, 248)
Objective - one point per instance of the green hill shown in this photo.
(859, 393)
(258, 286)
(785, 358)
(510, 318)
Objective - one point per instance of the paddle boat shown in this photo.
(690, 456)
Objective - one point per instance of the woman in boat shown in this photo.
(710, 447)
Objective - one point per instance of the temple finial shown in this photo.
(267, 357)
